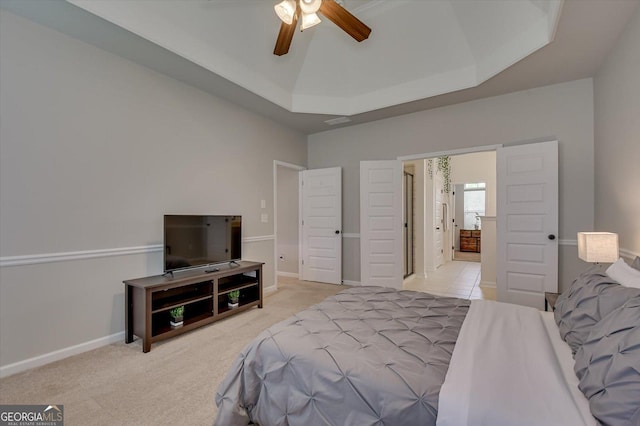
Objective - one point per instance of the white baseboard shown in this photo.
(349, 282)
(20, 366)
(288, 274)
(268, 290)
(487, 284)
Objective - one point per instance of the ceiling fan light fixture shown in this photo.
(305, 12)
(310, 7)
(309, 20)
(286, 10)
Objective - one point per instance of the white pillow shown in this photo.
(624, 274)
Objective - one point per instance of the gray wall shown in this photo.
(288, 222)
(617, 141)
(563, 112)
(95, 149)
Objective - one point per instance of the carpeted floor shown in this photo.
(174, 384)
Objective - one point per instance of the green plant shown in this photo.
(234, 295)
(177, 312)
(430, 167)
(444, 166)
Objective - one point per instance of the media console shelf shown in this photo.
(204, 295)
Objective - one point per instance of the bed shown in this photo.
(378, 356)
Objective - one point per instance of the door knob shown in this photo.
(437, 228)
(551, 237)
(337, 232)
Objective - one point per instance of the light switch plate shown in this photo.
(263, 204)
(264, 218)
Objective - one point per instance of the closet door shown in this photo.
(322, 225)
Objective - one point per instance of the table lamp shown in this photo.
(598, 247)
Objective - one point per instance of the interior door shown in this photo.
(381, 257)
(527, 223)
(438, 222)
(321, 236)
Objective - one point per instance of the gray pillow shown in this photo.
(608, 366)
(636, 263)
(590, 298)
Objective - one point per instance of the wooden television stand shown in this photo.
(204, 296)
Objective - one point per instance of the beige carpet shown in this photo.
(174, 384)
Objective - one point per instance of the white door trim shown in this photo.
(450, 152)
(277, 163)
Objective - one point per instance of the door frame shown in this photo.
(451, 152)
(438, 228)
(483, 149)
(276, 164)
(408, 231)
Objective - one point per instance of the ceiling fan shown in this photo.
(292, 11)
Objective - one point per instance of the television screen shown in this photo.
(191, 241)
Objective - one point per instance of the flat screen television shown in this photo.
(192, 241)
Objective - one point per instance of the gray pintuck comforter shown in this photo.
(366, 356)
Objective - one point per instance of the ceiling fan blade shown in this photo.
(285, 36)
(345, 20)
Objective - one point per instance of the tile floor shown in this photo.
(456, 279)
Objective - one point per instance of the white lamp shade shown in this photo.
(310, 6)
(600, 247)
(309, 20)
(286, 11)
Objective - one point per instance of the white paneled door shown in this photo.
(322, 225)
(527, 223)
(438, 220)
(381, 258)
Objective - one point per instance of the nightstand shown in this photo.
(550, 300)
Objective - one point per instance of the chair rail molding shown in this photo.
(350, 235)
(34, 259)
(626, 253)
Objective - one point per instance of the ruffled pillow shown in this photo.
(591, 297)
(608, 366)
(624, 274)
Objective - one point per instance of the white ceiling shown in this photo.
(421, 53)
(417, 49)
